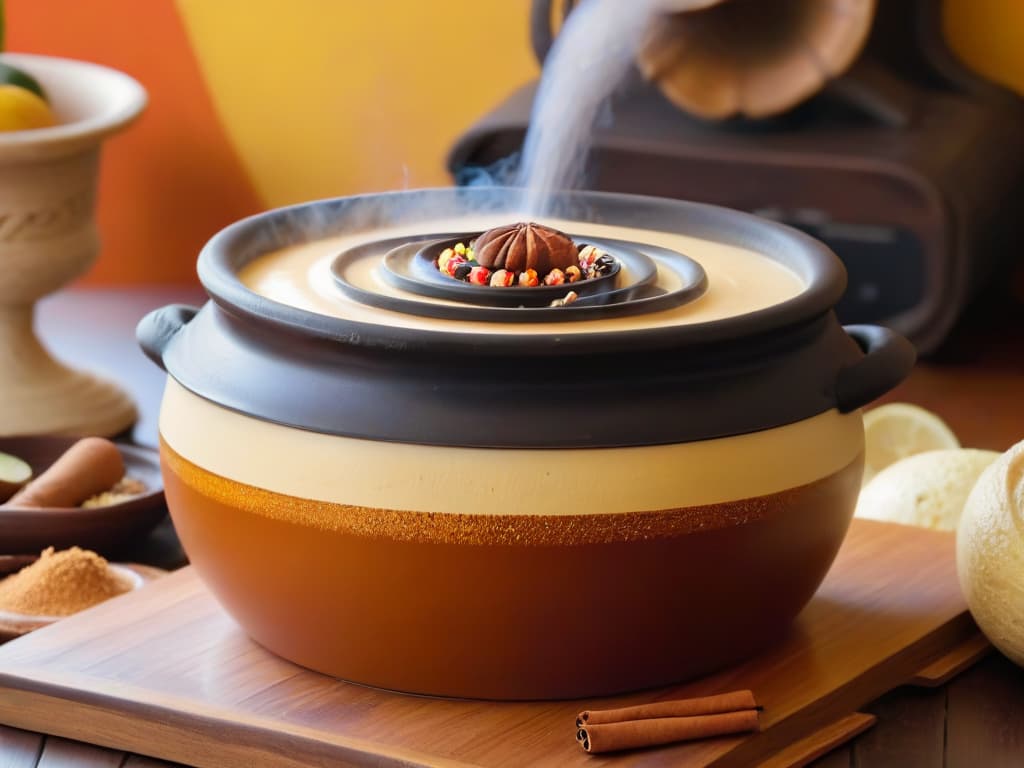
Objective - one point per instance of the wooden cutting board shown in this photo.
(164, 672)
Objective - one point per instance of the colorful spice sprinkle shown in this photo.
(588, 255)
(453, 264)
(604, 263)
(479, 275)
(554, 277)
(459, 262)
(442, 261)
(503, 278)
(529, 279)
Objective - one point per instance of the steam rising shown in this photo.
(501, 173)
(591, 55)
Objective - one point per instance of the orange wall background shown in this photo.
(259, 103)
(170, 180)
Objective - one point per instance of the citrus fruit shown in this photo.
(927, 489)
(990, 553)
(13, 76)
(22, 110)
(897, 430)
(14, 473)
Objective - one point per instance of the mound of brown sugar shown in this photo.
(61, 583)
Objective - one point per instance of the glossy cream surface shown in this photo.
(488, 481)
(739, 280)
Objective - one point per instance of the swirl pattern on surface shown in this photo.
(645, 278)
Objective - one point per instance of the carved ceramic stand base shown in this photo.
(47, 237)
(39, 395)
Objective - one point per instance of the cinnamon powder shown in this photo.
(61, 583)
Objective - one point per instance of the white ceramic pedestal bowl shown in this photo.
(48, 236)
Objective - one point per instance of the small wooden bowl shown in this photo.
(102, 529)
(14, 625)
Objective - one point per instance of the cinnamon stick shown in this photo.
(733, 701)
(88, 467)
(630, 734)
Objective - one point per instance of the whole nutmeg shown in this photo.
(517, 247)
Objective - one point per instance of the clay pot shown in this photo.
(492, 505)
(752, 58)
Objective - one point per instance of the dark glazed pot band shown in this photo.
(595, 401)
(888, 357)
(157, 328)
(742, 374)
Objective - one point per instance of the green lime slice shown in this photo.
(14, 473)
(11, 76)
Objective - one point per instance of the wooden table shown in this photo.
(977, 385)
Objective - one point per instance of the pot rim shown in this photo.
(821, 271)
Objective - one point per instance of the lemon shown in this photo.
(22, 110)
(897, 430)
(990, 553)
(14, 473)
(927, 489)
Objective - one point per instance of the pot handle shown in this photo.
(155, 331)
(888, 358)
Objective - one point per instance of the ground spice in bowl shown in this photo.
(62, 583)
(126, 488)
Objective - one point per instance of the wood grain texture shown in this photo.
(137, 761)
(840, 757)
(979, 731)
(944, 669)
(910, 732)
(822, 742)
(19, 749)
(163, 671)
(61, 753)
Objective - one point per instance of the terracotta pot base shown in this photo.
(561, 616)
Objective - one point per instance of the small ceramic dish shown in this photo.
(102, 529)
(14, 625)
